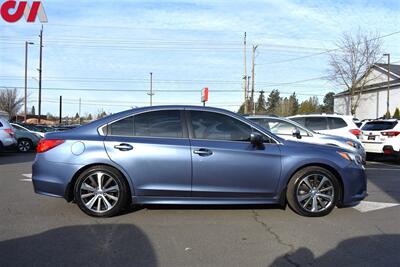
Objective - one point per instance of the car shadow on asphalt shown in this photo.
(10, 157)
(81, 245)
(374, 250)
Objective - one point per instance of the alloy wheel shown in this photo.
(315, 193)
(99, 192)
(24, 146)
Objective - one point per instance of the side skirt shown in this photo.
(202, 201)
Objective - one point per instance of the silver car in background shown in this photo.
(289, 129)
(7, 138)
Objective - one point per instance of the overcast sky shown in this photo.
(188, 45)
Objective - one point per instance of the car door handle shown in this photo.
(203, 152)
(124, 147)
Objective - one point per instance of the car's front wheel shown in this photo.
(101, 191)
(313, 192)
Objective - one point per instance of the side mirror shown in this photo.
(296, 133)
(256, 139)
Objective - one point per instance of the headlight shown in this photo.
(351, 157)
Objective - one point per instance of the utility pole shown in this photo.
(80, 105)
(388, 84)
(252, 74)
(40, 72)
(245, 74)
(60, 119)
(26, 81)
(151, 89)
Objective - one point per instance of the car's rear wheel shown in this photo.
(101, 191)
(24, 145)
(313, 192)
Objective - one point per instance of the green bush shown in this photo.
(396, 114)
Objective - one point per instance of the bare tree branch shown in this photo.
(10, 102)
(352, 63)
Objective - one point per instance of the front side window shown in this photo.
(164, 124)
(215, 126)
(284, 128)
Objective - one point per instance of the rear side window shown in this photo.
(166, 123)
(215, 126)
(379, 125)
(336, 123)
(300, 120)
(316, 123)
(1, 125)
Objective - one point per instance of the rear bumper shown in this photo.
(51, 178)
(355, 185)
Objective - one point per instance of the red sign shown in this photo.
(204, 94)
(12, 11)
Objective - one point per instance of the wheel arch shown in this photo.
(69, 192)
(321, 165)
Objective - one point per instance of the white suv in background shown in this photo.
(339, 125)
(382, 136)
(6, 134)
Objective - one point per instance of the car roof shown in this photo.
(322, 115)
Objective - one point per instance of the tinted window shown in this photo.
(301, 121)
(336, 123)
(379, 125)
(316, 123)
(215, 126)
(159, 124)
(151, 124)
(122, 127)
(1, 125)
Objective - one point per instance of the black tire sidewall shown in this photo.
(123, 197)
(293, 185)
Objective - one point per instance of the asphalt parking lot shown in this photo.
(42, 231)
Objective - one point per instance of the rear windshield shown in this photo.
(379, 125)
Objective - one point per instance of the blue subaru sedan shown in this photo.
(192, 155)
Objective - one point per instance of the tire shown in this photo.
(304, 192)
(24, 145)
(110, 200)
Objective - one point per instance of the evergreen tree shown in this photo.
(261, 105)
(33, 111)
(294, 104)
(387, 115)
(273, 102)
(328, 103)
(396, 114)
(310, 105)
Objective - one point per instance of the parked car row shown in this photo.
(24, 137)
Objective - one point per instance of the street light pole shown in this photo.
(26, 80)
(151, 89)
(388, 83)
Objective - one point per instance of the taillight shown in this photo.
(356, 132)
(10, 132)
(47, 144)
(391, 133)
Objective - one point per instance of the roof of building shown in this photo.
(394, 73)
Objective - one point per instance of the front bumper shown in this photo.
(52, 178)
(354, 185)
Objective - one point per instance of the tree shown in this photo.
(396, 114)
(293, 104)
(387, 115)
(328, 103)
(89, 117)
(33, 111)
(310, 105)
(352, 61)
(261, 105)
(273, 102)
(76, 116)
(10, 102)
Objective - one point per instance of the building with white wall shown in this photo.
(373, 101)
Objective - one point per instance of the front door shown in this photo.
(225, 163)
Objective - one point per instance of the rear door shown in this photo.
(154, 149)
(225, 163)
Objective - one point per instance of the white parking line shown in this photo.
(367, 206)
(28, 177)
